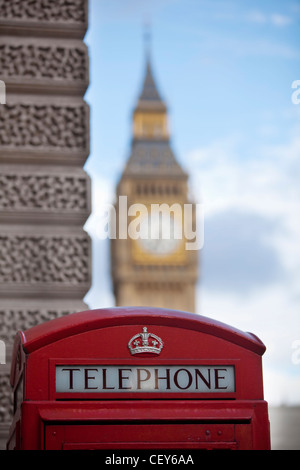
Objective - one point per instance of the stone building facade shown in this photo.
(45, 255)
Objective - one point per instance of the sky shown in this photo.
(225, 69)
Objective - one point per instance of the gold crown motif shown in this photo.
(145, 343)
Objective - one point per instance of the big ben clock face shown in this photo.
(160, 240)
(160, 235)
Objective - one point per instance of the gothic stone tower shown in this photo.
(152, 271)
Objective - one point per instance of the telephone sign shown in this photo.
(150, 379)
(134, 378)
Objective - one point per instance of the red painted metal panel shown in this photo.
(109, 346)
(70, 325)
(141, 436)
(40, 418)
(220, 404)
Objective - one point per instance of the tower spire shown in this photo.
(147, 40)
(150, 120)
(149, 91)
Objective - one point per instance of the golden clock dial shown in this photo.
(160, 235)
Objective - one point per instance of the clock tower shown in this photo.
(150, 262)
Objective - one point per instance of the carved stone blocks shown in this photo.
(45, 194)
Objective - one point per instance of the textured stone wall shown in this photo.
(36, 126)
(66, 11)
(45, 255)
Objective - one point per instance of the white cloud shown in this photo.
(100, 295)
(256, 17)
(267, 188)
(273, 316)
(280, 20)
(238, 256)
(276, 19)
(281, 388)
(103, 192)
(267, 184)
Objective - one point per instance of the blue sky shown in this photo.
(225, 69)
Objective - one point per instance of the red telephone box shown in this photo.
(137, 378)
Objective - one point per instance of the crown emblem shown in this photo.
(145, 343)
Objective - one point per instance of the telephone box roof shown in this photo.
(76, 323)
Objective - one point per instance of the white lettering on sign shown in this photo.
(162, 379)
